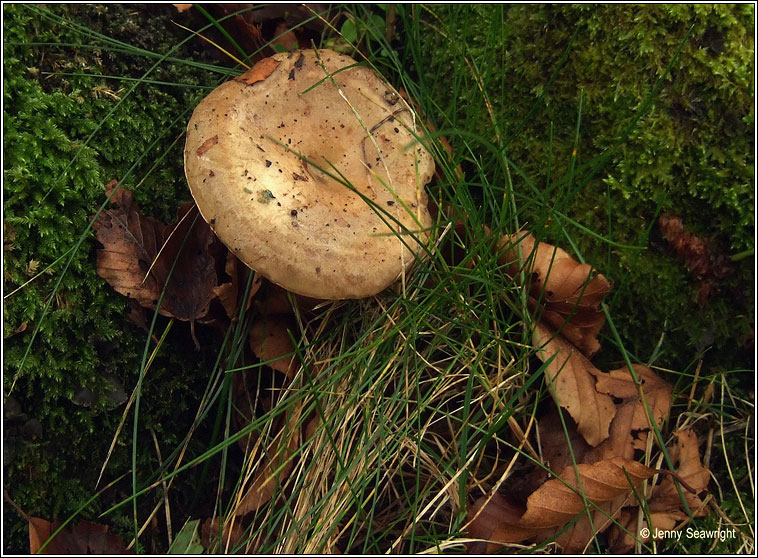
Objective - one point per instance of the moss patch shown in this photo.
(54, 179)
(691, 153)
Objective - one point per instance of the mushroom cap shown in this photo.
(307, 168)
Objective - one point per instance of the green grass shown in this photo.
(419, 394)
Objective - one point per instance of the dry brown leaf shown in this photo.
(555, 442)
(229, 292)
(571, 378)
(138, 254)
(567, 293)
(190, 289)
(131, 243)
(495, 519)
(630, 426)
(579, 536)
(628, 430)
(141, 257)
(666, 511)
(271, 342)
(557, 501)
(605, 485)
(259, 72)
(686, 458)
(80, 539)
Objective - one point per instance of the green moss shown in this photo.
(53, 184)
(692, 152)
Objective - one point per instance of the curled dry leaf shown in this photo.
(80, 539)
(686, 457)
(229, 292)
(571, 378)
(271, 342)
(139, 252)
(557, 501)
(561, 447)
(605, 485)
(495, 519)
(602, 469)
(131, 243)
(665, 508)
(259, 72)
(567, 293)
(190, 289)
(631, 425)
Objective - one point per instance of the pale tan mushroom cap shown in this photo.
(252, 149)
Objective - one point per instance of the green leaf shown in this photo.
(187, 541)
(349, 31)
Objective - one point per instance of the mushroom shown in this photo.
(307, 167)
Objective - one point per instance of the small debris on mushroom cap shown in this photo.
(339, 145)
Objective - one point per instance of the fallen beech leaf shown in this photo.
(665, 508)
(80, 539)
(284, 36)
(131, 243)
(580, 535)
(270, 340)
(606, 484)
(190, 289)
(259, 72)
(571, 378)
(229, 292)
(568, 293)
(495, 519)
(139, 252)
(554, 443)
(557, 501)
(630, 426)
(182, 7)
(686, 457)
